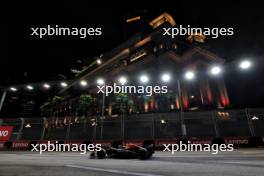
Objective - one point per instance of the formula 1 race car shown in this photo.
(129, 151)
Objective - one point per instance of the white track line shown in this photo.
(112, 171)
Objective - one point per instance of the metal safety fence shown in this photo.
(204, 124)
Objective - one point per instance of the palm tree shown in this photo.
(51, 106)
(56, 103)
(46, 109)
(121, 100)
(84, 104)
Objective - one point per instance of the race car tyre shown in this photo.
(143, 154)
(101, 154)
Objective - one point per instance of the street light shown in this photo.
(189, 75)
(99, 61)
(216, 70)
(13, 89)
(122, 80)
(46, 86)
(64, 84)
(245, 64)
(144, 79)
(83, 83)
(166, 77)
(100, 81)
(29, 87)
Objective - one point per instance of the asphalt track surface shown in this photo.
(243, 162)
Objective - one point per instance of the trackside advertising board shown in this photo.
(5, 132)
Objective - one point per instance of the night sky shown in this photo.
(29, 59)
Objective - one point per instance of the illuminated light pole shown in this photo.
(183, 126)
(189, 75)
(144, 79)
(166, 78)
(101, 82)
(122, 80)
